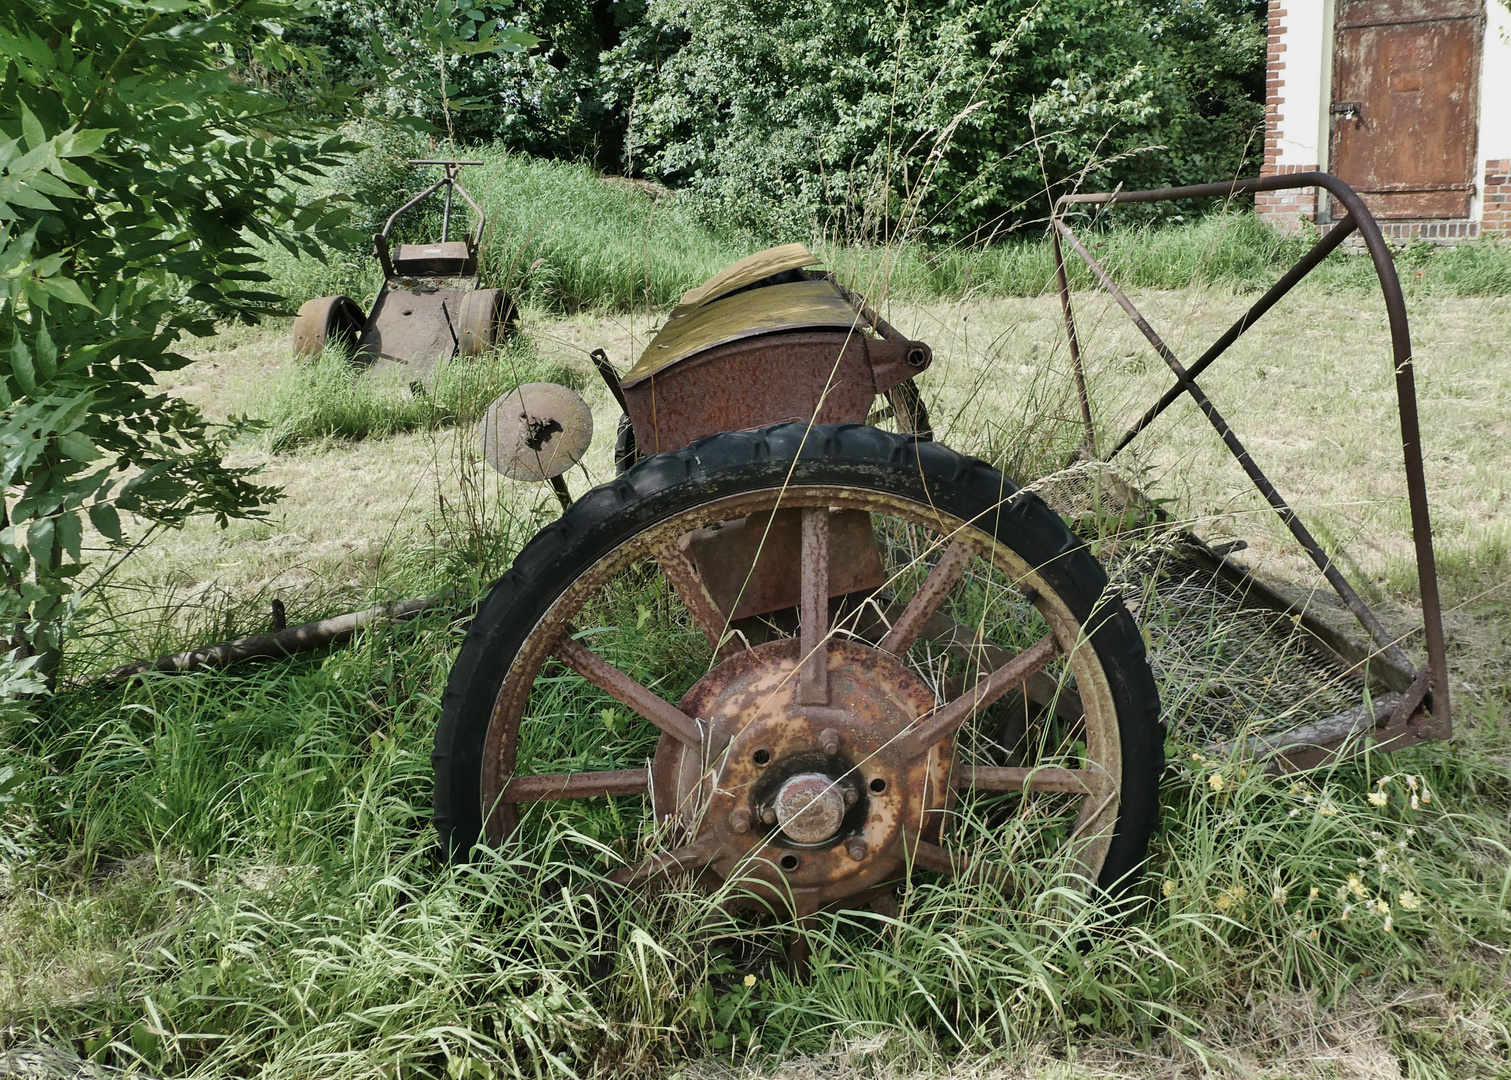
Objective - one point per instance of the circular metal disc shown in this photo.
(536, 431)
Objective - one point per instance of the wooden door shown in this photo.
(1405, 108)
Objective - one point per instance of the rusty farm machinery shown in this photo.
(432, 305)
(863, 646)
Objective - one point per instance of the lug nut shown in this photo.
(739, 821)
(856, 847)
(829, 740)
(768, 815)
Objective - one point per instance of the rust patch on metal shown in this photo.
(786, 813)
(747, 564)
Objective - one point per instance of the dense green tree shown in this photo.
(951, 119)
(862, 116)
(551, 99)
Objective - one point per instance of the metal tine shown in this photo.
(1367, 618)
(1309, 262)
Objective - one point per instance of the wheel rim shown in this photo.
(905, 683)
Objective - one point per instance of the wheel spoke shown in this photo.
(584, 785)
(946, 720)
(943, 861)
(694, 856)
(992, 778)
(684, 578)
(933, 857)
(627, 691)
(813, 674)
(945, 575)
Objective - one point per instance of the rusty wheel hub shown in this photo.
(809, 804)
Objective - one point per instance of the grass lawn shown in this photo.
(232, 873)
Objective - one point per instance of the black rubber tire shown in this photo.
(733, 462)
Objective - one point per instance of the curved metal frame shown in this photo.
(1422, 712)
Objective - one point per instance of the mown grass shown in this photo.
(568, 240)
(230, 873)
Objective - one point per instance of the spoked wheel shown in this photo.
(807, 661)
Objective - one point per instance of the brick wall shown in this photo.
(1496, 214)
(1284, 209)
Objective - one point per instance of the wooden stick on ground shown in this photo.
(281, 643)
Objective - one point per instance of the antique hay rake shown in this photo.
(798, 649)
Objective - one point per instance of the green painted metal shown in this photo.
(801, 305)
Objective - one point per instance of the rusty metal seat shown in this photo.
(453, 259)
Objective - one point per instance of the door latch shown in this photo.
(1349, 110)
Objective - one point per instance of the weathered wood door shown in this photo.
(1405, 104)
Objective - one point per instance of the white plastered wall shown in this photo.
(1495, 94)
(1306, 30)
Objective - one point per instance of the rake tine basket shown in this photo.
(1415, 708)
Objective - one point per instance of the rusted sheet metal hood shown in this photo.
(748, 271)
(801, 305)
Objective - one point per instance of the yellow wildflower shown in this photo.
(1168, 888)
(1312, 893)
(1224, 901)
(1356, 886)
(1216, 781)
(1378, 798)
(1409, 900)
(1381, 906)
(750, 980)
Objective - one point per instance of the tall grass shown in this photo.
(333, 397)
(234, 873)
(568, 239)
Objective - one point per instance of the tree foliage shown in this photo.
(138, 157)
(951, 120)
(863, 116)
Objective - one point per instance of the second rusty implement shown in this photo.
(432, 305)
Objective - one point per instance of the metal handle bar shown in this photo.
(450, 182)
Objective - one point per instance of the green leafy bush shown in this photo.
(139, 161)
(871, 120)
(863, 117)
